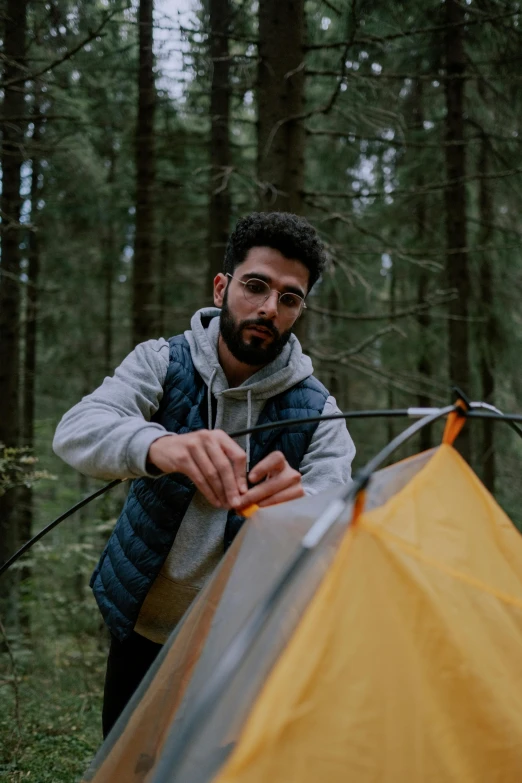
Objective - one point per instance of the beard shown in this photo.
(254, 352)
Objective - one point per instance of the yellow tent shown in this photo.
(393, 653)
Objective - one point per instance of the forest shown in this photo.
(134, 134)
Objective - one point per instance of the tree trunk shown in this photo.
(109, 252)
(144, 301)
(455, 208)
(219, 203)
(424, 364)
(280, 102)
(163, 275)
(488, 335)
(25, 494)
(15, 28)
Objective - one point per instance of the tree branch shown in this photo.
(442, 185)
(59, 60)
(359, 348)
(441, 28)
(442, 298)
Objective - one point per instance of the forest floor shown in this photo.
(50, 709)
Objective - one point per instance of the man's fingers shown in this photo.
(195, 475)
(274, 462)
(214, 462)
(210, 472)
(290, 493)
(225, 473)
(237, 458)
(271, 487)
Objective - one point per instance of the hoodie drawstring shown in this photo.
(209, 401)
(249, 424)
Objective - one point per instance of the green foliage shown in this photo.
(50, 696)
(378, 322)
(18, 468)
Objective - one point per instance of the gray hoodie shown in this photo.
(108, 435)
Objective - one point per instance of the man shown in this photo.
(162, 420)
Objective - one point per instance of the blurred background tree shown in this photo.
(133, 136)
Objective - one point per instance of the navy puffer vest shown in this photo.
(154, 509)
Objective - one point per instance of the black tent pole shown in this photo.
(486, 412)
(51, 525)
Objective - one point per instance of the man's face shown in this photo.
(256, 333)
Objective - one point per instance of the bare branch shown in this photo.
(359, 348)
(407, 142)
(332, 7)
(440, 299)
(442, 185)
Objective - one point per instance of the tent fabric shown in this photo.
(394, 655)
(255, 560)
(131, 750)
(407, 665)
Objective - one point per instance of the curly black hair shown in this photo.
(293, 236)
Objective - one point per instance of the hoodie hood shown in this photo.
(289, 368)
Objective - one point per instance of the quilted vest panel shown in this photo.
(154, 509)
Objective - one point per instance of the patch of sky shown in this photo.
(325, 22)
(405, 89)
(170, 46)
(386, 264)
(376, 68)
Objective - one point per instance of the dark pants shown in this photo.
(127, 664)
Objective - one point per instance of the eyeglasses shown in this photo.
(257, 292)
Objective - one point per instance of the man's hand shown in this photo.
(281, 482)
(212, 460)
